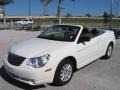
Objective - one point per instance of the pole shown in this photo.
(111, 14)
(116, 9)
(44, 5)
(60, 18)
(29, 8)
(3, 11)
(59, 11)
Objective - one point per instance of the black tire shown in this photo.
(57, 78)
(109, 51)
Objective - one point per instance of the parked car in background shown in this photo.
(54, 55)
(25, 21)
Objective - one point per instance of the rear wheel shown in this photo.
(64, 72)
(108, 51)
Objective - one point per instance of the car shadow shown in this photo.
(16, 83)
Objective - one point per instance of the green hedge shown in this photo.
(73, 20)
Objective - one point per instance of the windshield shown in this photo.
(24, 20)
(60, 33)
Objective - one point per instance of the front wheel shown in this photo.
(64, 72)
(108, 51)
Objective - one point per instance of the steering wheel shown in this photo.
(68, 35)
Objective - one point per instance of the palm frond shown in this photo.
(5, 2)
(46, 2)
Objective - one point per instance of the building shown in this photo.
(1, 10)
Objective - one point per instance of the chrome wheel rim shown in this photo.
(109, 53)
(66, 72)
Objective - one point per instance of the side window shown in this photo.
(30, 19)
(96, 32)
(85, 32)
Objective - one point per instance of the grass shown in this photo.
(74, 20)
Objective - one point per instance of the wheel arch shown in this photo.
(73, 59)
(111, 43)
(69, 58)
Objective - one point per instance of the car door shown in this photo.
(25, 21)
(87, 49)
(101, 41)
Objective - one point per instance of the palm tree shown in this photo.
(59, 10)
(3, 3)
(45, 4)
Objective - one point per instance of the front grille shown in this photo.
(15, 59)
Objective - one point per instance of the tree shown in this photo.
(68, 15)
(88, 14)
(59, 9)
(4, 3)
(106, 17)
(45, 4)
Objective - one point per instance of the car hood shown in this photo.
(18, 21)
(36, 47)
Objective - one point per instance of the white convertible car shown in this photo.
(54, 55)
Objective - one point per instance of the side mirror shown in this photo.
(85, 38)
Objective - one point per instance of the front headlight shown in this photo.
(38, 62)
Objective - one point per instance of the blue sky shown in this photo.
(77, 8)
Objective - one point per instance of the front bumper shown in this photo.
(30, 76)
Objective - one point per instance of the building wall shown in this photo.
(1, 11)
